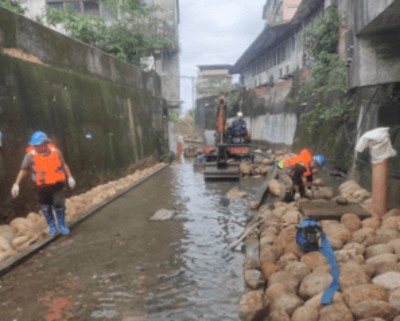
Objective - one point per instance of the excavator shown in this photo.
(223, 154)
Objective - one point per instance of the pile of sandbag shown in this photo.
(278, 187)
(352, 191)
(283, 283)
(262, 166)
(252, 169)
(24, 231)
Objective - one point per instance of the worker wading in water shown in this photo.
(49, 171)
(302, 167)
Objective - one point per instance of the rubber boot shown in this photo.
(60, 213)
(48, 215)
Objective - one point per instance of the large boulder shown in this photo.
(335, 312)
(314, 284)
(305, 313)
(250, 303)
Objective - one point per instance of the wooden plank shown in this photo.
(263, 189)
(327, 210)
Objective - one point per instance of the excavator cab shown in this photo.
(223, 157)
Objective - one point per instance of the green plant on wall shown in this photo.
(131, 31)
(173, 115)
(327, 83)
(11, 5)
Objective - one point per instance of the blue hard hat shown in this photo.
(38, 138)
(320, 160)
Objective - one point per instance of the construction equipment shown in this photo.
(223, 154)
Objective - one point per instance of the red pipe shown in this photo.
(379, 187)
(180, 150)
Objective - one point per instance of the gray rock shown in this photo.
(163, 215)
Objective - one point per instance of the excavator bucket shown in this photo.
(221, 171)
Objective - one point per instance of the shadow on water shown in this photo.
(119, 265)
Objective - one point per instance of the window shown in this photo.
(55, 5)
(88, 7)
(74, 5)
(91, 8)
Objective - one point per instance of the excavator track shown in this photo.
(215, 171)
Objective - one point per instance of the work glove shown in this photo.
(280, 165)
(71, 182)
(15, 190)
(296, 196)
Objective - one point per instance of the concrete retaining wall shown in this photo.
(274, 128)
(106, 116)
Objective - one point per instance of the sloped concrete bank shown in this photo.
(25, 236)
(285, 284)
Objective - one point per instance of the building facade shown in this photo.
(279, 11)
(278, 52)
(212, 80)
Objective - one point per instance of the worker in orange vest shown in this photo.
(302, 166)
(50, 173)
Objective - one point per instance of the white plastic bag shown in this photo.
(378, 141)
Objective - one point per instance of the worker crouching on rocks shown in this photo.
(302, 167)
(49, 171)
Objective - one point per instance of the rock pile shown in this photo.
(285, 284)
(25, 231)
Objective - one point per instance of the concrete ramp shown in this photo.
(330, 210)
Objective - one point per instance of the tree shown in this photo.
(131, 31)
(12, 5)
(326, 88)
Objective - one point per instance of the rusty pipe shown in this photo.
(379, 187)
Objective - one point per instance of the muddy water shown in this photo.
(119, 265)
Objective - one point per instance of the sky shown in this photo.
(214, 32)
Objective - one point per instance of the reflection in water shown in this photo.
(213, 221)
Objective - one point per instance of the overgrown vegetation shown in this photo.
(131, 30)
(185, 125)
(11, 5)
(173, 115)
(326, 88)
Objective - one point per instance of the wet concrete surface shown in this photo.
(119, 265)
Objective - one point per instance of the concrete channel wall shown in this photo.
(106, 116)
(372, 42)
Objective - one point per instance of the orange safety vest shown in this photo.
(304, 158)
(48, 168)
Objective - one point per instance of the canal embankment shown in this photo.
(285, 282)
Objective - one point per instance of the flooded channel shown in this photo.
(119, 265)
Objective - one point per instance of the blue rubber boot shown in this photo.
(48, 215)
(60, 213)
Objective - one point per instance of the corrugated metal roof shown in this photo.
(305, 9)
(263, 42)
